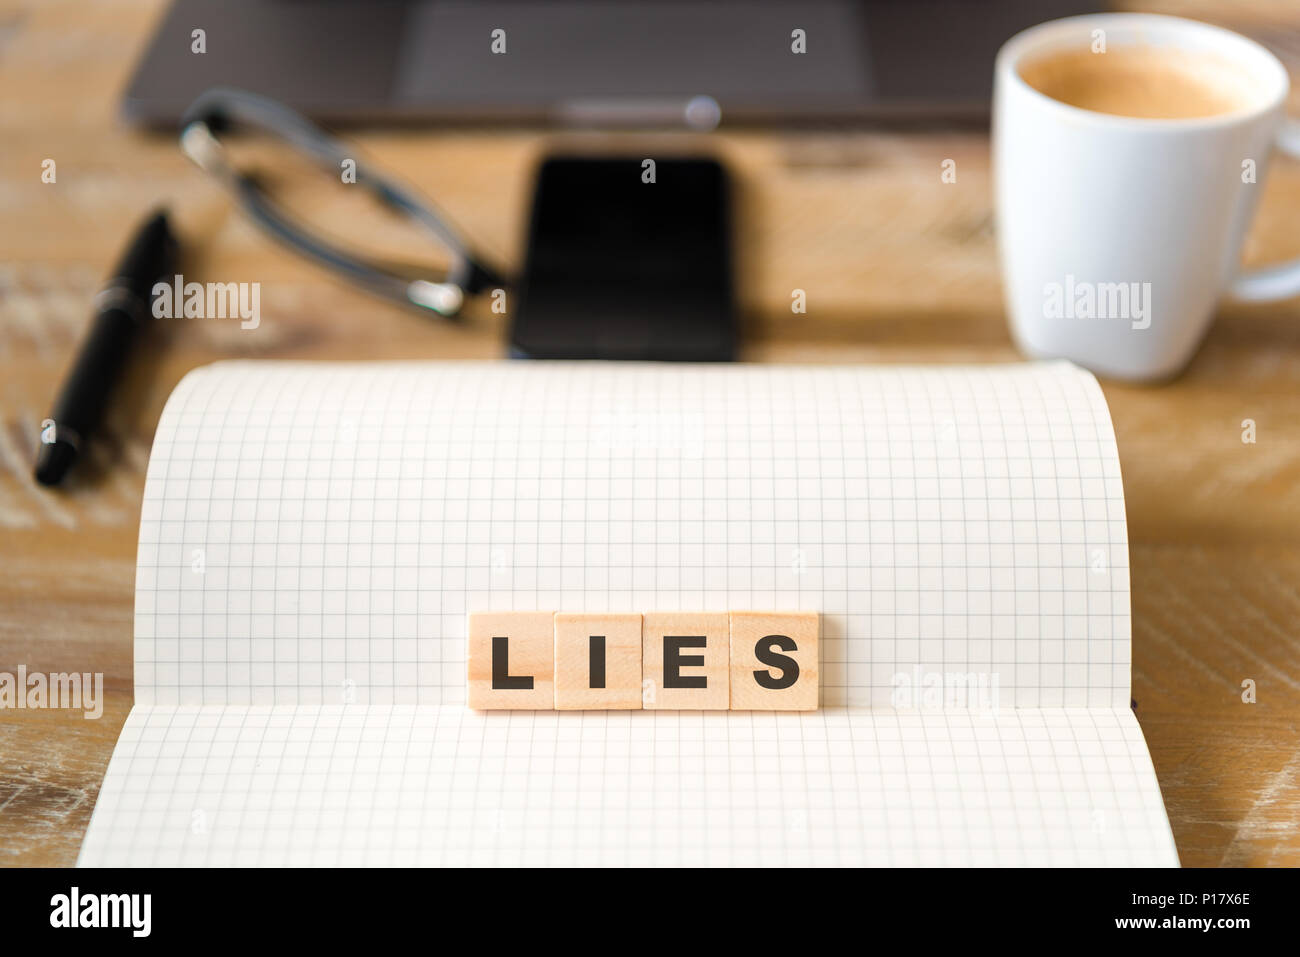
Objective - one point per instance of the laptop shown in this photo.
(587, 62)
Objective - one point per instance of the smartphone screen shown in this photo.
(627, 261)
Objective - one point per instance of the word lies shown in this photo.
(707, 661)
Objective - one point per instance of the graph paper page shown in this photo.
(313, 536)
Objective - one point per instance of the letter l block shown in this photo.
(511, 661)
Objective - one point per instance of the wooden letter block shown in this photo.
(597, 662)
(686, 659)
(512, 660)
(774, 660)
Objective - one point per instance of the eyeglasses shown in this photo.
(222, 110)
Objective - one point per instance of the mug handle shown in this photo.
(1280, 281)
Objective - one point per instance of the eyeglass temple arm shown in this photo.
(218, 107)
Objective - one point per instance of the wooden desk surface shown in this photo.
(897, 267)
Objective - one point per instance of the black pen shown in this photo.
(122, 309)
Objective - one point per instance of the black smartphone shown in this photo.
(628, 258)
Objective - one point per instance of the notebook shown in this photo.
(313, 536)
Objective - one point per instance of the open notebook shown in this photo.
(313, 536)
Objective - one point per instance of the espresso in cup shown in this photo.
(1142, 81)
(1125, 184)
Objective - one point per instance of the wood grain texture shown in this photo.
(709, 663)
(597, 662)
(529, 639)
(775, 661)
(897, 267)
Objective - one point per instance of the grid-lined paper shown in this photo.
(313, 536)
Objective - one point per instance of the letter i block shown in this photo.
(511, 660)
(774, 665)
(686, 662)
(597, 662)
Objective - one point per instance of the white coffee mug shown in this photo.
(1118, 235)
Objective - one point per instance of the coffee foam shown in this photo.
(1138, 80)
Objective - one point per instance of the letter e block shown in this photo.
(686, 661)
(774, 663)
(597, 662)
(511, 660)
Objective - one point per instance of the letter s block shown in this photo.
(774, 660)
(511, 660)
